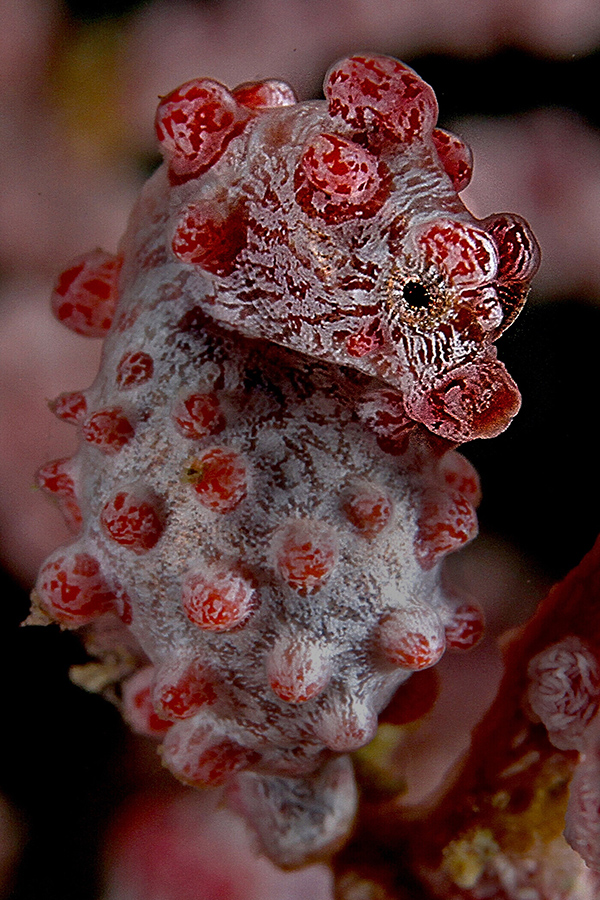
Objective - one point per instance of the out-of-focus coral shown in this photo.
(546, 164)
(497, 830)
(182, 847)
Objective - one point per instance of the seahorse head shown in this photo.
(336, 228)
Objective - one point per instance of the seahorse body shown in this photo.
(299, 327)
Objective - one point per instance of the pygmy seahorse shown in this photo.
(299, 329)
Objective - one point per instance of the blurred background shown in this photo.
(79, 83)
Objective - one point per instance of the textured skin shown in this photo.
(265, 485)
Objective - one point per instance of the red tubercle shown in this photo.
(134, 368)
(261, 95)
(132, 521)
(447, 520)
(138, 709)
(412, 638)
(219, 477)
(210, 237)
(298, 669)
(305, 553)
(519, 253)
(56, 478)
(458, 474)
(85, 295)
(199, 755)
(108, 429)
(346, 727)
(476, 400)
(466, 256)
(369, 337)
(381, 97)
(455, 156)
(195, 123)
(70, 407)
(342, 169)
(181, 687)
(368, 508)
(217, 599)
(72, 589)
(336, 207)
(198, 415)
(465, 628)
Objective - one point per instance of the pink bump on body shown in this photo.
(297, 668)
(455, 156)
(217, 599)
(412, 638)
(85, 295)
(108, 429)
(347, 725)
(210, 236)
(182, 687)
(138, 709)
(447, 520)
(343, 170)
(381, 96)
(72, 589)
(200, 755)
(198, 415)
(266, 94)
(56, 478)
(219, 478)
(458, 474)
(368, 508)
(132, 521)
(70, 407)
(194, 124)
(135, 367)
(305, 554)
(467, 256)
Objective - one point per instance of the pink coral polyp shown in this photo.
(564, 690)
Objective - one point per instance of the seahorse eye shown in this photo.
(416, 295)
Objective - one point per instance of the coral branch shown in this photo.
(497, 831)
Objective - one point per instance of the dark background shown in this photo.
(61, 757)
